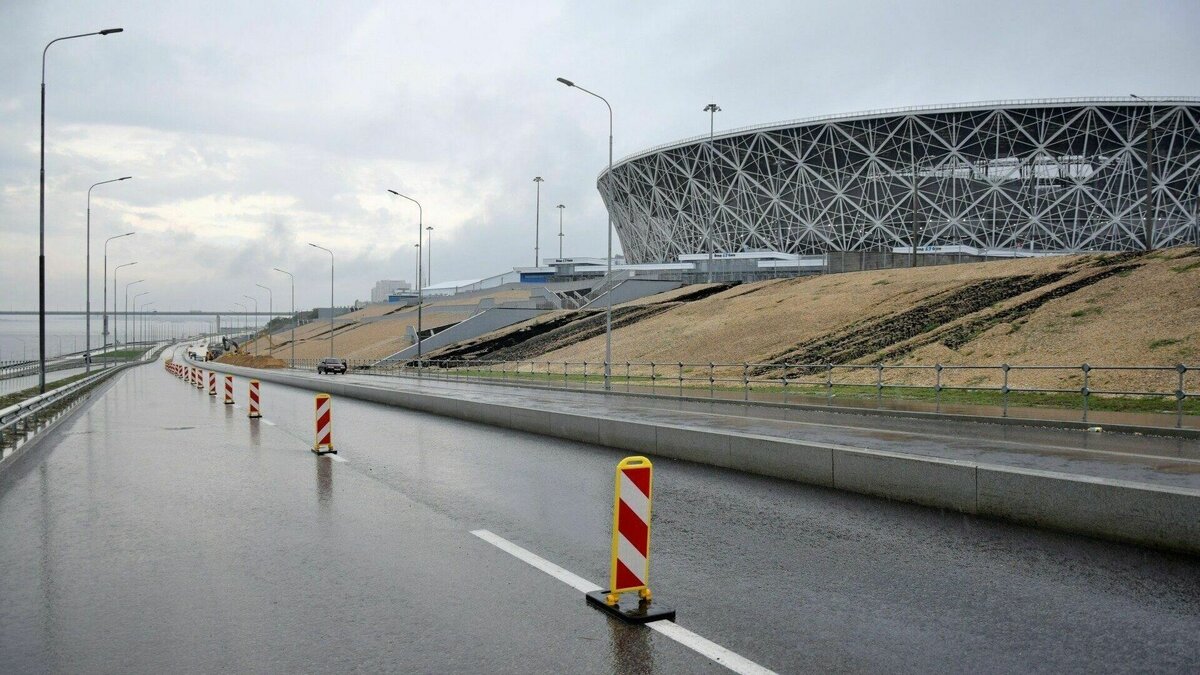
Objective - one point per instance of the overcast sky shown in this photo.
(254, 127)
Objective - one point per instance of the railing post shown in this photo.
(681, 379)
(565, 383)
(1180, 395)
(627, 376)
(1085, 391)
(879, 383)
(745, 381)
(1004, 389)
(785, 372)
(937, 368)
(585, 375)
(829, 384)
(712, 381)
(653, 380)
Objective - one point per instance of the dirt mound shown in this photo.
(250, 361)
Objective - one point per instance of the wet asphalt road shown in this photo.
(163, 531)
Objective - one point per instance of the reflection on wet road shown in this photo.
(162, 531)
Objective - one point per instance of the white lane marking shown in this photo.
(338, 459)
(266, 421)
(701, 645)
(731, 660)
(574, 581)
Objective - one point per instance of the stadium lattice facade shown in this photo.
(1046, 175)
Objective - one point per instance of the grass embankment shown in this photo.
(121, 355)
(18, 396)
(980, 397)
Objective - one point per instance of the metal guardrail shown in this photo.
(786, 382)
(18, 415)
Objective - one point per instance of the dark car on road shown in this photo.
(331, 366)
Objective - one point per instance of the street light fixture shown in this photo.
(270, 314)
(293, 341)
(560, 208)
(42, 213)
(331, 295)
(127, 307)
(537, 220)
(104, 306)
(135, 315)
(420, 295)
(244, 310)
(255, 329)
(712, 109)
(608, 310)
(115, 296)
(429, 255)
(87, 340)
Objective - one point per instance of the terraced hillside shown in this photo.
(1128, 309)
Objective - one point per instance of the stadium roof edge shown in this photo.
(930, 108)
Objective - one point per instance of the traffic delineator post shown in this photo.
(629, 570)
(228, 390)
(254, 412)
(200, 379)
(324, 441)
(212, 383)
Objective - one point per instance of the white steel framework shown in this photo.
(1054, 175)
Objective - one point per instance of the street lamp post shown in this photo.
(115, 296)
(87, 339)
(136, 319)
(42, 213)
(560, 208)
(104, 284)
(293, 340)
(608, 310)
(712, 109)
(537, 219)
(270, 314)
(417, 260)
(127, 307)
(255, 329)
(429, 255)
(420, 301)
(244, 310)
(147, 326)
(331, 295)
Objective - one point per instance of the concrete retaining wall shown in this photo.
(1161, 517)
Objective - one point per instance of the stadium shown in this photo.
(1031, 177)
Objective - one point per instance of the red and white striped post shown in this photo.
(631, 530)
(254, 412)
(200, 379)
(212, 383)
(228, 390)
(630, 560)
(324, 442)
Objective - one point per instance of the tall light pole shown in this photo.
(608, 311)
(147, 333)
(270, 314)
(560, 208)
(127, 307)
(420, 301)
(255, 329)
(135, 314)
(104, 284)
(417, 260)
(712, 109)
(537, 218)
(115, 296)
(1148, 205)
(244, 310)
(429, 255)
(42, 214)
(331, 295)
(293, 341)
(87, 340)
